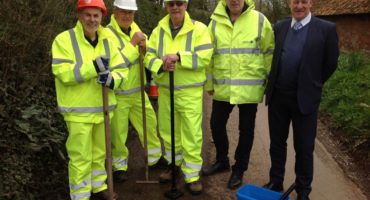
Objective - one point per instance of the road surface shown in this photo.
(330, 182)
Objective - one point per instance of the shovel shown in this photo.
(108, 147)
(173, 193)
(143, 112)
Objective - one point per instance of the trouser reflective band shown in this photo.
(81, 196)
(154, 155)
(120, 164)
(191, 171)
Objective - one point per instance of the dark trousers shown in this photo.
(220, 115)
(283, 109)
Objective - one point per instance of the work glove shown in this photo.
(101, 64)
(106, 79)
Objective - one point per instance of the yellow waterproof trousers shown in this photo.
(86, 151)
(129, 108)
(188, 128)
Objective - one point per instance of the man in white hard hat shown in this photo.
(83, 60)
(182, 46)
(127, 34)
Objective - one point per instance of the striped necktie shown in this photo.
(297, 26)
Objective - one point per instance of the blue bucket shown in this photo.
(252, 192)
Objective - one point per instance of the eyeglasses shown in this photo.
(173, 3)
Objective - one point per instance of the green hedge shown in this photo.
(346, 97)
(32, 134)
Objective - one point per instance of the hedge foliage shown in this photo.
(33, 159)
(346, 98)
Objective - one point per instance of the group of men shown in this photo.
(237, 60)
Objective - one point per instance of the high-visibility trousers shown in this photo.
(129, 108)
(86, 151)
(188, 128)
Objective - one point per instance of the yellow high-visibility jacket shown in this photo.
(242, 55)
(79, 95)
(130, 54)
(192, 43)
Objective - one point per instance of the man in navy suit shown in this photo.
(305, 56)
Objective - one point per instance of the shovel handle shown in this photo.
(286, 193)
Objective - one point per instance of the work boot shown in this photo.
(161, 164)
(166, 176)
(195, 188)
(274, 187)
(235, 180)
(217, 167)
(104, 195)
(120, 176)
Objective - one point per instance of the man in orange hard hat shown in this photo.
(83, 59)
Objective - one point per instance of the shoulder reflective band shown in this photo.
(78, 56)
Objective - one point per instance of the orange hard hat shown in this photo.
(92, 3)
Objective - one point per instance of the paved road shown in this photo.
(329, 183)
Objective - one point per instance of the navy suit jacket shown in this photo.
(319, 61)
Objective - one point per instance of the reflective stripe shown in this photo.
(151, 50)
(151, 63)
(96, 173)
(191, 175)
(203, 47)
(106, 47)
(119, 66)
(182, 86)
(80, 195)
(154, 151)
(239, 82)
(209, 76)
(84, 109)
(194, 61)
(127, 61)
(120, 162)
(160, 45)
(127, 91)
(61, 60)
(78, 56)
(189, 40)
(152, 160)
(193, 166)
(269, 51)
(83, 184)
(96, 184)
(213, 30)
(121, 77)
(237, 51)
(177, 157)
(260, 25)
(122, 45)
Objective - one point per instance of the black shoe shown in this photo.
(235, 180)
(274, 187)
(216, 168)
(120, 176)
(161, 164)
(302, 196)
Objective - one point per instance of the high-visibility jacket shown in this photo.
(242, 55)
(79, 95)
(193, 45)
(129, 53)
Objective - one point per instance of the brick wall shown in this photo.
(353, 31)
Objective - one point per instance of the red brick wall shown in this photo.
(353, 31)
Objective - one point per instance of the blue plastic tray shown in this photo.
(252, 192)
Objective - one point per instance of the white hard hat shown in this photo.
(125, 4)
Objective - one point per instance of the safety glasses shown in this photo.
(173, 3)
